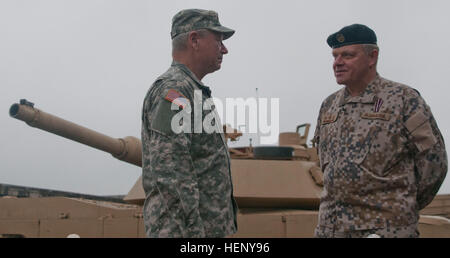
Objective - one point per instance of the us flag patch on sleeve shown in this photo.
(177, 98)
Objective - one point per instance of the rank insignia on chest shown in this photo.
(176, 98)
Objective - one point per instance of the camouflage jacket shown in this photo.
(186, 176)
(382, 155)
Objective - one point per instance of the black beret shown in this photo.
(351, 35)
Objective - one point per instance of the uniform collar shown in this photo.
(368, 96)
(205, 89)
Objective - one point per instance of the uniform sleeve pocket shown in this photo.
(420, 129)
(162, 119)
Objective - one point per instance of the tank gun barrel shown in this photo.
(127, 149)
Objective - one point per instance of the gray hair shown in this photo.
(368, 48)
(179, 42)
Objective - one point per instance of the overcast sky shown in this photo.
(92, 61)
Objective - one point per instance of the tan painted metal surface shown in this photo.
(127, 149)
(276, 198)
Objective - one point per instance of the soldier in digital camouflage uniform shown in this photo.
(186, 175)
(380, 149)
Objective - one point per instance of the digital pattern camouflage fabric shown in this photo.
(196, 19)
(186, 176)
(389, 232)
(383, 159)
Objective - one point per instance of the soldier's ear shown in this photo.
(373, 55)
(193, 39)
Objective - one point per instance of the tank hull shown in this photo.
(60, 217)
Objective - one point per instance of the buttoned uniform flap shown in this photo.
(418, 125)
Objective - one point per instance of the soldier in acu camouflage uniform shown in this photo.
(186, 175)
(380, 149)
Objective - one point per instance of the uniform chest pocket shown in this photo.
(384, 141)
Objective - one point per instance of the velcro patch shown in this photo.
(329, 118)
(377, 115)
(423, 137)
(415, 121)
(176, 98)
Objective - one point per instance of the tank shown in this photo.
(277, 189)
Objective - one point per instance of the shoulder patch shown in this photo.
(176, 98)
